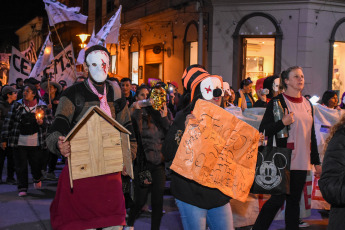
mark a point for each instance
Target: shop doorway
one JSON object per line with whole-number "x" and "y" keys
{"x": 258, "y": 58}
{"x": 154, "y": 59}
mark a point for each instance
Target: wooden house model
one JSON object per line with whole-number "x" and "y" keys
{"x": 99, "y": 145}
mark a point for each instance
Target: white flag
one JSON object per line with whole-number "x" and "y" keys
{"x": 58, "y": 12}
{"x": 44, "y": 58}
{"x": 108, "y": 34}
{"x": 30, "y": 53}
{"x": 19, "y": 66}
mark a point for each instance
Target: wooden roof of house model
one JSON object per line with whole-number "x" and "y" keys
{"x": 92, "y": 110}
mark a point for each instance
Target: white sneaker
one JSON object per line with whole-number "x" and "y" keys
{"x": 303, "y": 224}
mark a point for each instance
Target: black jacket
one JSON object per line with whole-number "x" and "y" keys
{"x": 272, "y": 128}
{"x": 151, "y": 128}
{"x": 332, "y": 181}
{"x": 182, "y": 188}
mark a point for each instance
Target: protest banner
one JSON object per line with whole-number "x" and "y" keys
{"x": 19, "y": 66}
{"x": 218, "y": 150}
{"x": 62, "y": 67}
{"x": 58, "y": 12}
{"x": 30, "y": 53}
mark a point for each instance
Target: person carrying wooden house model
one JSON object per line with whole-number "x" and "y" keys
{"x": 95, "y": 202}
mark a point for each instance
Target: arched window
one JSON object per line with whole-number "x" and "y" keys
{"x": 190, "y": 41}
{"x": 336, "y": 66}
{"x": 257, "y": 47}
{"x": 134, "y": 48}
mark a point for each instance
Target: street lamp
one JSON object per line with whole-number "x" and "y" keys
{"x": 83, "y": 38}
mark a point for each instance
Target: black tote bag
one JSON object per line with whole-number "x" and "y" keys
{"x": 272, "y": 174}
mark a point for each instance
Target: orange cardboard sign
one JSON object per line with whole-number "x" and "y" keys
{"x": 218, "y": 150}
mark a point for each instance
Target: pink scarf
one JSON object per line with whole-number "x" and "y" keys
{"x": 102, "y": 98}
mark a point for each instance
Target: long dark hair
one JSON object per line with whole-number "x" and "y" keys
{"x": 327, "y": 96}
{"x": 246, "y": 82}
{"x": 139, "y": 89}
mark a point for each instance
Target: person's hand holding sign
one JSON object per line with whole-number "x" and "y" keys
{"x": 189, "y": 117}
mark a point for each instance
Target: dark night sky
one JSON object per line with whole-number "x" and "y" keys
{"x": 13, "y": 15}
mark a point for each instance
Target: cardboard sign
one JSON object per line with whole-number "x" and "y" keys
{"x": 218, "y": 150}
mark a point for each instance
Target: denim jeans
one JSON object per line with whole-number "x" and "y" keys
{"x": 194, "y": 218}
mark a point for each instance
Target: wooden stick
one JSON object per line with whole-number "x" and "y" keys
{"x": 50, "y": 101}
{"x": 70, "y": 171}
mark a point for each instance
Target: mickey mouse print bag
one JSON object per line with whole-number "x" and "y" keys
{"x": 272, "y": 174}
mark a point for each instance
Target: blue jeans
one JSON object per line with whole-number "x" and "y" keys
{"x": 194, "y": 218}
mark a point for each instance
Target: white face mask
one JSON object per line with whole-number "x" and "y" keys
{"x": 208, "y": 85}
{"x": 98, "y": 64}
{"x": 275, "y": 85}
{"x": 226, "y": 88}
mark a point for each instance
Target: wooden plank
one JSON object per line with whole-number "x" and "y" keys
{"x": 126, "y": 151}
{"x": 95, "y": 145}
{"x": 81, "y": 169}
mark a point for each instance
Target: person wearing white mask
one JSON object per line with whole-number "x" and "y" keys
{"x": 272, "y": 84}
{"x": 96, "y": 202}
{"x": 227, "y": 95}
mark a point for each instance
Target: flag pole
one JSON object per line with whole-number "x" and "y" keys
{"x": 75, "y": 75}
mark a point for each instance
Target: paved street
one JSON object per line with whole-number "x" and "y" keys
{"x": 32, "y": 212}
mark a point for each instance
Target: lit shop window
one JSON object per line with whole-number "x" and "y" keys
{"x": 258, "y": 58}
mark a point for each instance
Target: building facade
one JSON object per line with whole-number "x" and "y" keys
{"x": 259, "y": 38}
{"x": 233, "y": 38}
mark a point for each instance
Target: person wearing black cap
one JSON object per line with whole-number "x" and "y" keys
{"x": 9, "y": 95}
{"x": 96, "y": 202}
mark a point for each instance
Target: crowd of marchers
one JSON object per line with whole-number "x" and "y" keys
{"x": 36, "y": 115}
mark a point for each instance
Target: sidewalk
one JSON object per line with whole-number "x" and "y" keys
{"x": 32, "y": 212}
